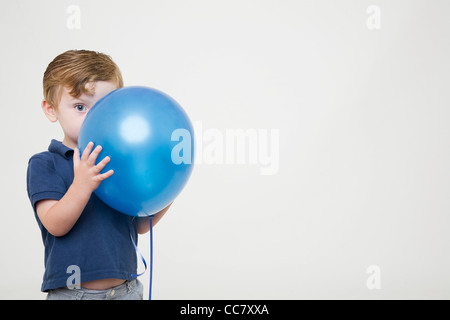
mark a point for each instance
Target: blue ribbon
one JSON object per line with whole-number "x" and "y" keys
{"x": 151, "y": 260}
{"x": 143, "y": 260}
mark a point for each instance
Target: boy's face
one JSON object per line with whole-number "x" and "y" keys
{"x": 72, "y": 111}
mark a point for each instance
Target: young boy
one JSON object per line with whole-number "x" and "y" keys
{"x": 84, "y": 239}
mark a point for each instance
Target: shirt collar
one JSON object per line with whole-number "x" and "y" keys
{"x": 59, "y": 148}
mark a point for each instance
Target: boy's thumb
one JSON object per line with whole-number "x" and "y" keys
{"x": 76, "y": 156}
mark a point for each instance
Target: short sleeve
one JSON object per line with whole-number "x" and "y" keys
{"x": 43, "y": 182}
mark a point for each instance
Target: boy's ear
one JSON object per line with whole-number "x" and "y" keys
{"x": 49, "y": 111}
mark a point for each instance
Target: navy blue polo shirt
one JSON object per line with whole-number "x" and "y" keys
{"x": 99, "y": 243}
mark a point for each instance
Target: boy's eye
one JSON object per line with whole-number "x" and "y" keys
{"x": 80, "y": 107}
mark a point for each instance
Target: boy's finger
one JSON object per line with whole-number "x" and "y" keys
{"x": 99, "y": 167}
{"x": 87, "y": 151}
{"x": 105, "y": 175}
{"x": 93, "y": 156}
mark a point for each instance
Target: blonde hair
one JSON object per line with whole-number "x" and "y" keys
{"x": 75, "y": 69}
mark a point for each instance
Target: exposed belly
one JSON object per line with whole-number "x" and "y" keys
{"x": 102, "y": 284}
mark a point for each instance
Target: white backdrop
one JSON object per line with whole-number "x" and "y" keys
{"x": 344, "y": 103}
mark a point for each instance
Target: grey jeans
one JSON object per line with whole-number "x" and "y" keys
{"x": 129, "y": 290}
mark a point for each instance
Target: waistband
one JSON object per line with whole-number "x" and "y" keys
{"x": 83, "y": 293}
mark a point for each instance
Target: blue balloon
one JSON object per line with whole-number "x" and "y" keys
{"x": 150, "y": 141}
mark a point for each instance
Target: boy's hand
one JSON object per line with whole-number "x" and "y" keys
{"x": 87, "y": 176}
{"x": 58, "y": 217}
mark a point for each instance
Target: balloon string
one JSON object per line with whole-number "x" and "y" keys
{"x": 140, "y": 256}
{"x": 151, "y": 259}
{"x": 143, "y": 260}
